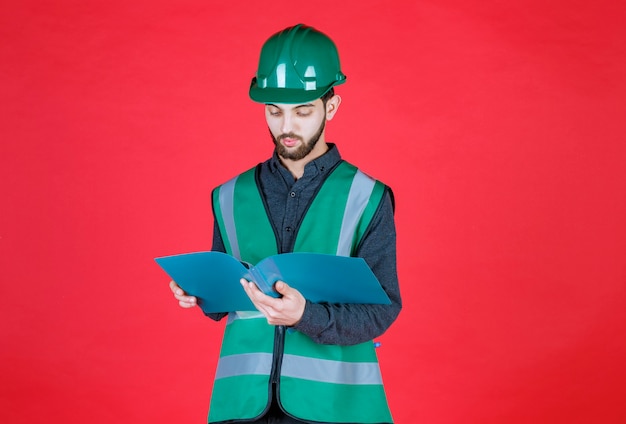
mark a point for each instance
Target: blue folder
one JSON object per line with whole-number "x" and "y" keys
{"x": 213, "y": 277}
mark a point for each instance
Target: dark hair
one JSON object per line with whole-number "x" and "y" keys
{"x": 328, "y": 95}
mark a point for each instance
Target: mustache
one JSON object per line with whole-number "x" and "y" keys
{"x": 289, "y": 135}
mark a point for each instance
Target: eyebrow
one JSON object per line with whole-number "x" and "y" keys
{"x": 297, "y": 107}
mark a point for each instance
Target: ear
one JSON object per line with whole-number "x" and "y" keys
{"x": 331, "y": 106}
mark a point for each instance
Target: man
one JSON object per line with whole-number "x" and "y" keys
{"x": 293, "y": 361}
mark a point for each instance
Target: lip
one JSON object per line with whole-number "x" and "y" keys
{"x": 289, "y": 142}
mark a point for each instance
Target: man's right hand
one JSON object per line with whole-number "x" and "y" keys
{"x": 183, "y": 300}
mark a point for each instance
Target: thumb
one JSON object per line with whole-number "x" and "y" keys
{"x": 281, "y": 287}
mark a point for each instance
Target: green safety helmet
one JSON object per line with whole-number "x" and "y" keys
{"x": 297, "y": 65}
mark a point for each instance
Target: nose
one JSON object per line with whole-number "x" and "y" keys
{"x": 286, "y": 125}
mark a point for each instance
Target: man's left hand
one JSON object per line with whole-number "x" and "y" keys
{"x": 286, "y": 310}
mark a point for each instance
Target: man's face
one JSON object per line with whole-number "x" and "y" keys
{"x": 296, "y": 129}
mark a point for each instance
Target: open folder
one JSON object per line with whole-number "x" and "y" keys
{"x": 213, "y": 277}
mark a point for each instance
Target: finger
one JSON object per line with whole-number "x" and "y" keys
{"x": 281, "y": 287}
{"x": 286, "y": 290}
{"x": 257, "y": 297}
{"x": 180, "y": 294}
{"x": 176, "y": 288}
{"x": 260, "y": 298}
{"x": 173, "y": 286}
{"x": 186, "y": 298}
{"x": 251, "y": 288}
{"x": 185, "y": 304}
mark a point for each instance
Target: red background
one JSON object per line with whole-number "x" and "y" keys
{"x": 500, "y": 127}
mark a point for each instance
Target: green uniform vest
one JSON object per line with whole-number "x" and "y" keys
{"x": 316, "y": 382}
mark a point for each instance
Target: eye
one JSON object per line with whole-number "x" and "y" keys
{"x": 304, "y": 112}
{"x": 275, "y": 112}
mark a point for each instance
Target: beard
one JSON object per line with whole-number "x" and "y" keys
{"x": 303, "y": 149}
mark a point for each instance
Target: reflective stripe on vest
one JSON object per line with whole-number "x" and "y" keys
{"x": 359, "y": 196}
{"x": 306, "y": 368}
{"x": 328, "y": 371}
{"x": 245, "y": 363}
{"x": 227, "y": 193}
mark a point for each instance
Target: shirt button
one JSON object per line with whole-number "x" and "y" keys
{"x": 292, "y": 194}
{"x": 288, "y": 229}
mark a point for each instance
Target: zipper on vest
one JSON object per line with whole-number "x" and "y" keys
{"x": 277, "y": 358}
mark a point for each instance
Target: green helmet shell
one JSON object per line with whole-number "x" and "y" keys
{"x": 297, "y": 65}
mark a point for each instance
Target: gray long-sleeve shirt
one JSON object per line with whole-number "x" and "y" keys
{"x": 288, "y": 200}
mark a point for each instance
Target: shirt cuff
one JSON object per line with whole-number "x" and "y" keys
{"x": 314, "y": 320}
